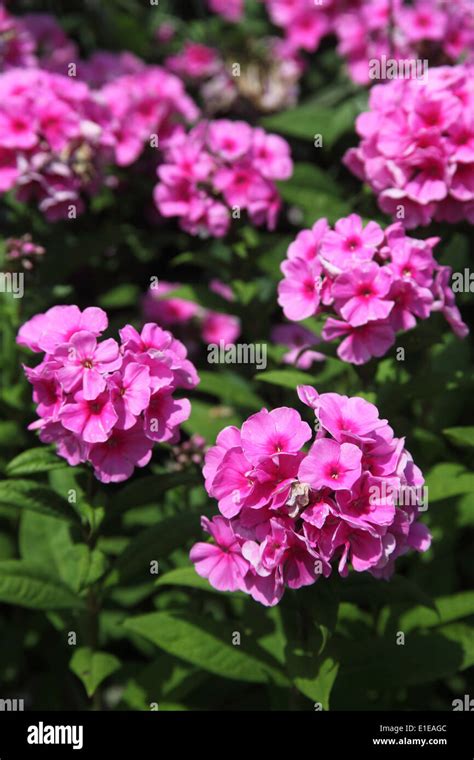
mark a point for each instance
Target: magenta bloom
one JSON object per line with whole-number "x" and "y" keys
{"x": 222, "y": 563}
{"x": 369, "y": 283}
{"x": 291, "y": 516}
{"x": 360, "y": 294}
{"x": 85, "y": 363}
{"x": 331, "y": 464}
{"x": 101, "y": 402}
{"x": 218, "y": 167}
{"x": 350, "y": 239}
{"x": 280, "y": 431}
{"x": 90, "y": 420}
{"x": 416, "y": 140}
{"x": 115, "y": 459}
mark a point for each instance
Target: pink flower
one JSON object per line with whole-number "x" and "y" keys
{"x": 100, "y": 402}
{"x": 299, "y": 292}
{"x": 220, "y": 328}
{"x": 84, "y": 362}
{"x": 267, "y": 434}
{"x": 360, "y": 294}
{"x": 271, "y": 155}
{"x": 416, "y": 140}
{"x": 331, "y": 464}
{"x": 289, "y": 518}
{"x": 377, "y": 282}
{"x": 346, "y": 418}
{"x": 229, "y": 139}
{"x": 350, "y": 239}
{"x": 115, "y": 460}
{"x": 195, "y": 61}
{"x": 222, "y": 563}
{"x": 91, "y": 420}
{"x": 130, "y": 393}
{"x": 46, "y": 332}
{"x": 217, "y": 168}
{"x": 360, "y": 343}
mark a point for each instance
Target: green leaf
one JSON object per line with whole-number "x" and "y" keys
{"x": 209, "y": 419}
{"x": 311, "y": 118}
{"x": 370, "y": 591}
{"x": 448, "y": 609}
{"x": 187, "y": 576}
{"x": 150, "y": 489}
{"x": 286, "y": 378}
{"x": 203, "y": 643}
{"x": 120, "y": 297}
{"x": 93, "y": 667}
{"x": 230, "y": 388}
{"x": 29, "y": 495}
{"x": 317, "y": 678}
{"x": 425, "y": 657}
{"x": 315, "y": 193}
{"x": 448, "y": 479}
{"x": 164, "y": 678}
{"x": 154, "y": 543}
{"x": 461, "y": 436}
{"x": 81, "y": 567}
{"x": 29, "y": 585}
{"x": 33, "y": 461}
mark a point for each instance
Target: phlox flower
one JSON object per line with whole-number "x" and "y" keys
{"x": 416, "y": 144}
{"x": 100, "y": 401}
{"x": 295, "y": 506}
{"x": 218, "y": 166}
{"x": 368, "y": 282}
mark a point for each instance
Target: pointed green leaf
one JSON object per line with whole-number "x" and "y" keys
{"x": 93, "y": 667}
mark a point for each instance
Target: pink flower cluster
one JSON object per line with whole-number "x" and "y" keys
{"x": 100, "y": 401}
{"x": 218, "y": 169}
{"x": 436, "y": 30}
{"x": 142, "y": 105}
{"x": 374, "y": 282}
{"x": 417, "y": 147}
{"x": 288, "y": 515}
{"x": 214, "y": 327}
{"x": 54, "y": 140}
{"x": 370, "y": 30}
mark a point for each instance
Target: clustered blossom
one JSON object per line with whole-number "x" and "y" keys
{"x": 57, "y": 135}
{"x": 55, "y": 139}
{"x": 417, "y": 147}
{"x": 104, "y": 402}
{"x": 367, "y": 30}
{"x": 290, "y": 515}
{"x": 372, "y": 283}
{"x": 143, "y": 104}
{"x": 218, "y": 169}
{"x": 213, "y": 327}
